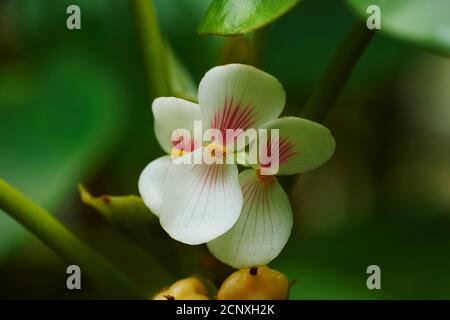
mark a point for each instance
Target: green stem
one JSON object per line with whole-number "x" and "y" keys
{"x": 100, "y": 273}
{"x": 341, "y": 66}
{"x": 336, "y": 75}
{"x": 152, "y": 45}
{"x": 259, "y": 41}
{"x": 235, "y": 49}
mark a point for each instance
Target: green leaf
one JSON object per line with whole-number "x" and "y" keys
{"x": 233, "y": 17}
{"x": 129, "y": 216}
{"x": 423, "y": 23}
{"x": 57, "y": 124}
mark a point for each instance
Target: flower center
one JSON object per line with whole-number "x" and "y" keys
{"x": 265, "y": 179}
{"x": 181, "y": 145}
{"x": 178, "y": 152}
{"x": 216, "y": 149}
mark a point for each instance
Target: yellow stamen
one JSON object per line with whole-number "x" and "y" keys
{"x": 176, "y": 153}
{"x": 215, "y": 149}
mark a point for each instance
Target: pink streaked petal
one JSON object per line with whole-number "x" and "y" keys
{"x": 303, "y": 145}
{"x": 263, "y": 227}
{"x": 184, "y": 143}
{"x": 285, "y": 149}
{"x": 237, "y": 96}
{"x": 172, "y": 115}
{"x": 200, "y": 201}
{"x": 233, "y": 117}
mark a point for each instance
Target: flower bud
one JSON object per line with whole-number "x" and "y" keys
{"x": 185, "y": 289}
{"x": 260, "y": 283}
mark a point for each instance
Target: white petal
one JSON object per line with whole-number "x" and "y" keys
{"x": 173, "y": 113}
{"x": 151, "y": 183}
{"x": 263, "y": 227}
{"x": 200, "y": 201}
{"x": 237, "y": 96}
{"x": 303, "y": 145}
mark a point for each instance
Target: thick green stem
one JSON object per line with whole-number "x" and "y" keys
{"x": 107, "y": 280}
{"x": 152, "y": 45}
{"x": 338, "y": 71}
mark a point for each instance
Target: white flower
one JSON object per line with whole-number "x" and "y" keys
{"x": 197, "y": 203}
{"x": 245, "y": 218}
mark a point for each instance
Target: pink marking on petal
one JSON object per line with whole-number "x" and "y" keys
{"x": 226, "y": 113}
{"x": 245, "y": 119}
{"x": 182, "y": 143}
{"x": 285, "y": 151}
{"x": 233, "y": 116}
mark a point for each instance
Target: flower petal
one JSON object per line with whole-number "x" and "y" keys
{"x": 263, "y": 228}
{"x": 173, "y": 113}
{"x": 237, "y": 96}
{"x": 151, "y": 182}
{"x": 200, "y": 201}
{"x": 303, "y": 145}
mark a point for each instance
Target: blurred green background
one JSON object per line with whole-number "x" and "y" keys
{"x": 75, "y": 107}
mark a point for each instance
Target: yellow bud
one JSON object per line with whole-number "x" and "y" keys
{"x": 195, "y": 296}
{"x": 260, "y": 283}
{"x": 164, "y": 295}
{"x": 185, "y": 289}
{"x": 187, "y": 286}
